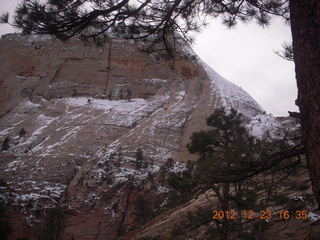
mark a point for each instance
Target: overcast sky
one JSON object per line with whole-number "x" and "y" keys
{"x": 244, "y": 56}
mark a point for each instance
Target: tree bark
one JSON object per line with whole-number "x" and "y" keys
{"x": 305, "y": 27}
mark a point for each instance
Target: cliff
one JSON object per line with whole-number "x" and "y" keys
{"x": 76, "y": 117}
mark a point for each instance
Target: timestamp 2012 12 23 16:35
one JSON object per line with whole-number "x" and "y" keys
{"x": 262, "y": 214}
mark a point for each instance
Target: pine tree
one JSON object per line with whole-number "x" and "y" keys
{"x": 227, "y": 152}
{"x": 22, "y": 133}
{"x": 5, "y": 144}
{"x": 153, "y": 20}
{"x": 140, "y": 161}
{"x": 142, "y": 209}
{"x": 229, "y": 159}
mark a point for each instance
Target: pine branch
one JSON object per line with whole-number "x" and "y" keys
{"x": 4, "y": 17}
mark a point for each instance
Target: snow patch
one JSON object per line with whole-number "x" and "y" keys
{"x": 162, "y": 189}
{"x": 5, "y": 131}
{"x": 314, "y": 217}
{"x": 28, "y": 104}
{"x": 178, "y": 167}
{"x": 269, "y": 127}
{"x": 44, "y": 121}
{"x": 262, "y": 124}
{"x": 104, "y": 104}
{"x": 156, "y": 81}
{"x": 230, "y": 95}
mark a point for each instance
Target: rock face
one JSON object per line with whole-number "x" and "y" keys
{"x": 84, "y": 127}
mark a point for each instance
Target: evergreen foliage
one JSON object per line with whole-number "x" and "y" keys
{"x": 140, "y": 161}
{"x": 155, "y": 20}
{"x": 22, "y": 132}
{"x": 5, "y": 144}
{"x": 227, "y": 152}
{"x": 4, "y": 17}
{"x": 181, "y": 183}
{"x": 236, "y": 166}
{"x": 286, "y": 52}
{"x": 142, "y": 209}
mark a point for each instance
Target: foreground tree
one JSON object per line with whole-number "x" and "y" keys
{"x": 305, "y": 27}
{"x": 226, "y": 154}
{"x": 244, "y": 172}
{"x": 159, "y": 20}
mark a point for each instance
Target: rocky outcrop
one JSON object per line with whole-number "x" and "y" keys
{"x": 74, "y": 115}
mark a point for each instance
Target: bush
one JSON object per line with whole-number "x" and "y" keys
{"x": 142, "y": 209}
{"x": 108, "y": 179}
{"x": 6, "y": 144}
{"x": 22, "y": 133}
{"x": 173, "y": 199}
{"x": 169, "y": 163}
{"x": 181, "y": 183}
{"x": 140, "y": 161}
{"x": 3, "y": 183}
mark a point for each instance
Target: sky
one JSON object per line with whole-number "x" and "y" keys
{"x": 243, "y": 55}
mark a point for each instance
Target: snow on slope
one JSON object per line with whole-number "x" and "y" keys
{"x": 264, "y": 124}
{"x": 104, "y": 104}
{"x": 231, "y": 96}
{"x": 120, "y": 112}
{"x": 228, "y": 94}
{"x": 63, "y": 134}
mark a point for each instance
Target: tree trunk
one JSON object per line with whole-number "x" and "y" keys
{"x": 305, "y": 27}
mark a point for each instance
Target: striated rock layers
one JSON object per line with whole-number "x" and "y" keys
{"x": 77, "y": 119}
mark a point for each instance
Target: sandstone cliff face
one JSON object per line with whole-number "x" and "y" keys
{"x": 85, "y": 111}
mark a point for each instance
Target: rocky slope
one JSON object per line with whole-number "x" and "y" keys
{"x": 74, "y": 117}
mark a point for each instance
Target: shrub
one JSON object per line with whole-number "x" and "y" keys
{"x": 142, "y": 209}
{"x": 173, "y": 199}
{"x": 140, "y": 161}
{"x": 22, "y": 133}
{"x": 179, "y": 183}
{"x": 6, "y": 144}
